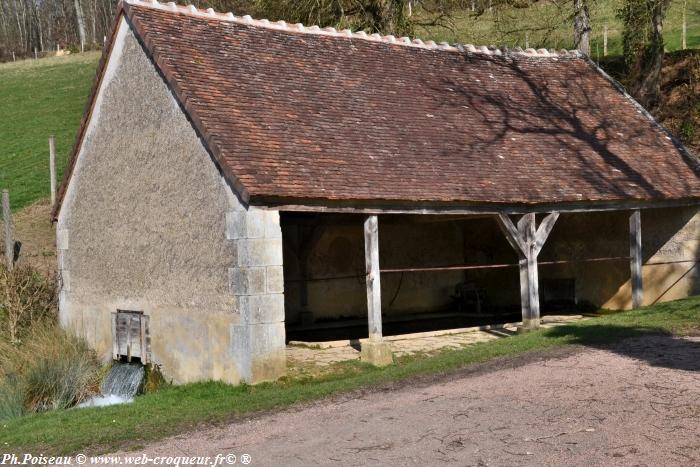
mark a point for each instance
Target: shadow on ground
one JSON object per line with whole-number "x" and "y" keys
{"x": 657, "y": 347}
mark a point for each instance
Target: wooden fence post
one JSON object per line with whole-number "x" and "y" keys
{"x": 605, "y": 40}
{"x": 52, "y": 168}
{"x": 7, "y": 218}
{"x": 684, "y": 29}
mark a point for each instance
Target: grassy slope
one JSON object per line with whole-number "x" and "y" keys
{"x": 176, "y": 409}
{"x": 39, "y": 98}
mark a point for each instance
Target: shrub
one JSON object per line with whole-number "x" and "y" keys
{"x": 26, "y": 297}
{"x": 50, "y": 369}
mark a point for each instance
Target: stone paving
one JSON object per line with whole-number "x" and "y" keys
{"x": 306, "y": 355}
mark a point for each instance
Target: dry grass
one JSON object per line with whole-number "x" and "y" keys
{"x": 48, "y": 370}
{"x": 26, "y": 297}
{"x": 41, "y": 366}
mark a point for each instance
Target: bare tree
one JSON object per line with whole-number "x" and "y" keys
{"x": 643, "y": 43}
{"x": 81, "y": 22}
{"x": 582, "y": 27}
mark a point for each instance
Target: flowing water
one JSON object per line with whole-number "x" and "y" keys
{"x": 124, "y": 379}
{"x": 123, "y": 382}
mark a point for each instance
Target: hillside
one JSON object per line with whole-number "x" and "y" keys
{"x": 680, "y": 109}
{"x": 551, "y": 27}
{"x": 39, "y": 98}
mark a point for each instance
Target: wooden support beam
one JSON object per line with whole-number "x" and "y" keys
{"x": 636, "y": 258}
{"x": 527, "y": 240}
{"x": 374, "y": 298}
{"x": 529, "y": 277}
{"x": 544, "y": 230}
{"x": 511, "y": 233}
{"x": 375, "y": 350}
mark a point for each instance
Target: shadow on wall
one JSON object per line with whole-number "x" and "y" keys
{"x": 670, "y": 248}
{"x": 656, "y": 347}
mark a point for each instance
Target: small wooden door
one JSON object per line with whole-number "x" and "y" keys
{"x": 130, "y": 337}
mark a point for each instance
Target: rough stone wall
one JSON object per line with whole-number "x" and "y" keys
{"x": 670, "y": 241}
{"x": 671, "y": 250}
{"x": 149, "y": 224}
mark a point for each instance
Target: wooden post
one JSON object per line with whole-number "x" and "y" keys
{"x": 35, "y": 54}
{"x": 115, "y": 338}
{"x": 374, "y": 297}
{"x": 527, "y": 240}
{"x": 605, "y": 40}
{"x": 375, "y": 350}
{"x": 14, "y": 59}
{"x": 7, "y": 218}
{"x": 52, "y": 168}
{"x": 528, "y": 269}
{"x": 636, "y": 258}
{"x": 684, "y": 27}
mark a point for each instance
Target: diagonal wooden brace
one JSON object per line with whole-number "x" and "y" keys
{"x": 527, "y": 239}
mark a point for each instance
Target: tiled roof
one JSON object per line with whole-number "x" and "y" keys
{"x": 296, "y": 114}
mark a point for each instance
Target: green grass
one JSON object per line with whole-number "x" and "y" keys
{"x": 39, "y": 98}
{"x": 176, "y": 409}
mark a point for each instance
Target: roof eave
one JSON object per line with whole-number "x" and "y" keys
{"x": 463, "y": 208}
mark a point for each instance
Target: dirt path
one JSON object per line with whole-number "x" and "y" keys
{"x": 637, "y": 403}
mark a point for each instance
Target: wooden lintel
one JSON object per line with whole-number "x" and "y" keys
{"x": 367, "y": 208}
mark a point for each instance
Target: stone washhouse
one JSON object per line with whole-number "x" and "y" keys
{"x": 236, "y": 182}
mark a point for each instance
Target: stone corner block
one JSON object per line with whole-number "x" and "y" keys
{"x": 261, "y": 309}
{"x": 245, "y": 224}
{"x": 247, "y": 280}
{"x": 274, "y": 279}
{"x": 260, "y": 252}
{"x": 62, "y": 239}
{"x": 64, "y": 280}
{"x": 376, "y": 353}
{"x": 273, "y": 229}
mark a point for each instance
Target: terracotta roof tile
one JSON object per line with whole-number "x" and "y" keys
{"x": 295, "y": 113}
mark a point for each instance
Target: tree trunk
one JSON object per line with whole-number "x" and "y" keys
{"x": 582, "y": 27}
{"x": 81, "y": 22}
{"x": 646, "y": 88}
{"x": 94, "y": 22}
